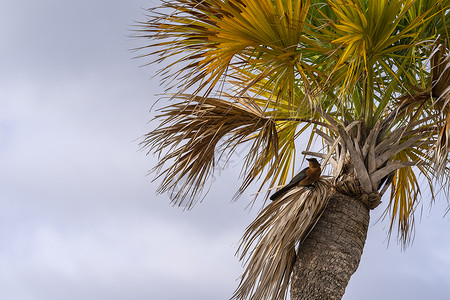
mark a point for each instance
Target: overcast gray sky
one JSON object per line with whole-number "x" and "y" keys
{"x": 78, "y": 217}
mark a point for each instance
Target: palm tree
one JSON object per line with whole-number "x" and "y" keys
{"x": 368, "y": 79}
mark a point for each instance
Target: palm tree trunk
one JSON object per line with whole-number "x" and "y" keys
{"x": 330, "y": 254}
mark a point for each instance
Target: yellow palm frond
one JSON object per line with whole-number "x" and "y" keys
{"x": 403, "y": 203}
{"x": 278, "y": 169}
{"x": 212, "y": 35}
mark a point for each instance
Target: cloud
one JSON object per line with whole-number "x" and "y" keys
{"x": 78, "y": 217}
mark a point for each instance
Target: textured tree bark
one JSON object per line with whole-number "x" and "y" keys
{"x": 330, "y": 254}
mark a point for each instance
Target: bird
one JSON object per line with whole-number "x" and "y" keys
{"x": 307, "y": 177}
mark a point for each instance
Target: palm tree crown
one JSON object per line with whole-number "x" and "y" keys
{"x": 370, "y": 79}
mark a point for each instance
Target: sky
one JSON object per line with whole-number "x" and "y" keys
{"x": 80, "y": 218}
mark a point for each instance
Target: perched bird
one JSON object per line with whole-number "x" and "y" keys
{"x": 305, "y": 178}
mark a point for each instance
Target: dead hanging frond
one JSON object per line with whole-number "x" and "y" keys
{"x": 436, "y": 95}
{"x": 197, "y": 131}
{"x": 443, "y": 145}
{"x": 276, "y": 231}
{"x": 440, "y": 73}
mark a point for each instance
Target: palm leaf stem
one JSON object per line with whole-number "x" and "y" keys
{"x": 312, "y": 121}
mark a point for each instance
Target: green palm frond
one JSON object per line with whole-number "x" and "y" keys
{"x": 374, "y": 48}
{"x": 268, "y": 246}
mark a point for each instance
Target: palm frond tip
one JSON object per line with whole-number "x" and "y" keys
{"x": 189, "y": 141}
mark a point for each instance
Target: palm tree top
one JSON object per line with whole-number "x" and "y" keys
{"x": 370, "y": 79}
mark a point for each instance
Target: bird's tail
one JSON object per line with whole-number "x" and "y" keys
{"x": 281, "y": 192}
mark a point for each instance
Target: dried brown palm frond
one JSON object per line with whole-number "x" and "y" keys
{"x": 274, "y": 234}
{"x": 441, "y": 90}
{"x": 437, "y": 93}
{"x": 198, "y": 130}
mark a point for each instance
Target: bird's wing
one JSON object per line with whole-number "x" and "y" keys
{"x": 299, "y": 177}
{"x": 294, "y": 181}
